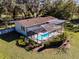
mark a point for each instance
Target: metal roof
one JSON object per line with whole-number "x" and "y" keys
{"x": 50, "y": 27}
{"x": 56, "y": 21}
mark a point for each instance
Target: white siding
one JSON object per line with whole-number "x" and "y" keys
{"x": 18, "y": 29}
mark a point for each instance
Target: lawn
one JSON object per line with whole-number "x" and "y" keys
{"x": 9, "y": 26}
{"x": 8, "y": 50}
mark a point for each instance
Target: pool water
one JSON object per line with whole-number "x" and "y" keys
{"x": 43, "y": 36}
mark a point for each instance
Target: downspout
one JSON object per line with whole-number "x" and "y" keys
{"x": 37, "y": 37}
{"x": 26, "y": 32}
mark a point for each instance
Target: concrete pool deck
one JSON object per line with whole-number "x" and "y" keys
{"x": 34, "y": 38}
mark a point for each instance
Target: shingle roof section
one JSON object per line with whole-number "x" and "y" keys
{"x": 35, "y": 21}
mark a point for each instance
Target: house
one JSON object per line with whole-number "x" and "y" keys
{"x": 40, "y": 28}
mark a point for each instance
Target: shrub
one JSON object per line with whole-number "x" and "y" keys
{"x": 72, "y": 27}
{"x": 76, "y": 28}
{"x": 68, "y": 26}
{"x": 21, "y": 42}
{"x": 29, "y": 47}
{"x": 21, "y": 37}
{"x": 56, "y": 42}
{"x": 33, "y": 42}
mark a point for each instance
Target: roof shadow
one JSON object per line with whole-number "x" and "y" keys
{"x": 75, "y": 21}
{"x": 10, "y": 36}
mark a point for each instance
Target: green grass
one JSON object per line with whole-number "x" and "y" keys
{"x": 9, "y": 26}
{"x": 8, "y": 50}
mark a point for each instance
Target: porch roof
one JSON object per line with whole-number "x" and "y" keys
{"x": 47, "y": 28}
{"x": 50, "y": 27}
{"x": 56, "y": 21}
{"x": 40, "y": 30}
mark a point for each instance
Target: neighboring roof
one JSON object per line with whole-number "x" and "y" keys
{"x": 35, "y": 21}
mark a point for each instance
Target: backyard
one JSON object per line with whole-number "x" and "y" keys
{"x": 9, "y": 50}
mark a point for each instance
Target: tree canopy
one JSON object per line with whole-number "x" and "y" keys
{"x": 57, "y": 8}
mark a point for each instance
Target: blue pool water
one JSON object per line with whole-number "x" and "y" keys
{"x": 43, "y": 36}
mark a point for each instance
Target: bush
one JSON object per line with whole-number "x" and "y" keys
{"x": 29, "y": 47}
{"x": 21, "y": 37}
{"x": 21, "y": 42}
{"x": 72, "y": 27}
{"x": 76, "y": 28}
{"x": 33, "y": 42}
{"x": 68, "y": 26}
{"x": 56, "y": 42}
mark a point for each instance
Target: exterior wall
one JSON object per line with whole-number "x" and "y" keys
{"x": 18, "y": 29}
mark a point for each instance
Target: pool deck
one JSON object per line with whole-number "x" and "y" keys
{"x": 44, "y": 40}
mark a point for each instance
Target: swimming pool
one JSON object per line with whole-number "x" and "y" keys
{"x": 43, "y": 36}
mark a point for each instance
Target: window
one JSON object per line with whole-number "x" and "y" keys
{"x": 22, "y": 28}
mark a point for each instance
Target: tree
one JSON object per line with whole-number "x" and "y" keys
{"x": 62, "y": 9}
{"x": 17, "y": 11}
{"x": 57, "y": 8}
{"x": 13, "y": 9}
{"x": 1, "y": 9}
{"x": 33, "y": 9}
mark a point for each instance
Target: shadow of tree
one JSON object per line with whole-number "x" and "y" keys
{"x": 75, "y": 21}
{"x": 10, "y": 36}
